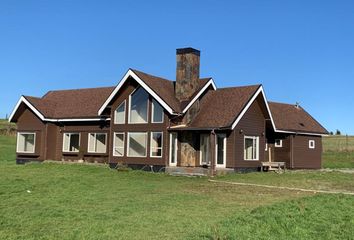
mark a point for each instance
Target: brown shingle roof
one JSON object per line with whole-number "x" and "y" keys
{"x": 221, "y": 107}
{"x": 166, "y": 89}
{"x": 162, "y": 87}
{"x": 75, "y": 103}
{"x": 85, "y": 103}
{"x": 288, "y": 117}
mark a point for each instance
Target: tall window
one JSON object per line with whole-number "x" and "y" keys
{"x": 204, "y": 149}
{"x": 119, "y": 114}
{"x": 118, "y": 144}
{"x": 97, "y": 142}
{"x": 156, "y": 144}
{"x": 157, "y": 112}
{"x": 138, "y": 106}
{"x": 26, "y": 142}
{"x": 251, "y": 148}
{"x": 71, "y": 142}
{"x": 137, "y": 142}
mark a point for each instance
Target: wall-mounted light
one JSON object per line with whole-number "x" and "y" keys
{"x": 241, "y": 131}
{"x": 262, "y": 134}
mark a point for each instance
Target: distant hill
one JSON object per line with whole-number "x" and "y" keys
{"x": 7, "y": 128}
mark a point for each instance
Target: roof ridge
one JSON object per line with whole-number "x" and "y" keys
{"x": 244, "y": 86}
{"x": 289, "y": 104}
{"x": 75, "y": 89}
{"x": 141, "y": 72}
{"x": 163, "y": 78}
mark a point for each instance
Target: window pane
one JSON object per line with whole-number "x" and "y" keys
{"x": 91, "y": 147}
{"x": 119, "y": 145}
{"x": 100, "y": 142}
{"x": 74, "y": 142}
{"x": 204, "y": 148}
{"x": 137, "y": 145}
{"x": 157, "y": 115}
{"x": 66, "y": 141}
{"x": 249, "y": 148}
{"x": 220, "y": 154}
{"x": 156, "y": 144}
{"x": 119, "y": 116}
{"x": 21, "y": 143}
{"x": 138, "y": 106}
{"x": 29, "y": 142}
{"x": 173, "y": 148}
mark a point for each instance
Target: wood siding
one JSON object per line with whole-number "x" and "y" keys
{"x": 305, "y": 157}
{"x": 251, "y": 124}
{"x": 84, "y": 128}
{"x": 279, "y": 154}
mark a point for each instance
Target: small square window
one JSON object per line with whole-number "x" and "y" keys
{"x": 278, "y": 143}
{"x": 312, "y": 144}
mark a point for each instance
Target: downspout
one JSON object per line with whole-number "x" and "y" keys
{"x": 45, "y": 142}
{"x": 292, "y": 150}
{"x": 213, "y": 152}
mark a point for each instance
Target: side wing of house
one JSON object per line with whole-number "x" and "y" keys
{"x": 297, "y": 139}
{"x": 46, "y": 133}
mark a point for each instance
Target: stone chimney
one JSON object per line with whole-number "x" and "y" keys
{"x": 187, "y": 73}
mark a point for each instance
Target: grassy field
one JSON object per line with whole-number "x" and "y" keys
{"x": 338, "y": 152}
{"x": 62, "y": 201}
{"x": 6, "y": 127}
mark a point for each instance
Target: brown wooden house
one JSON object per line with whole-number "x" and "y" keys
{"x": 150, "y": 122}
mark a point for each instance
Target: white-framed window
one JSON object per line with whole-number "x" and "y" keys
{"x": 251, "y": 148}
{"x": 157, "y": 112}
{"x": 173, "y": 148}
{"x": 137, "y": 142}
{"x": 278, "y": 143}
{"x": 220, "y": 150}
{"x": 204, "y": 154}
{"x": 97, "y": 143}
{"x": 312, "y": 144}
{"x": 119, "y": 114}
{"x": 138, "y": 106}
{"x": 26, "y": 142}
{"x": 118, "y": 144}
{"x": 156, "y": 144}
{"x": 71, "y": 142}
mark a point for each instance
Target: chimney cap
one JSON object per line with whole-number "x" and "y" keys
{"x": 188, "y": 50}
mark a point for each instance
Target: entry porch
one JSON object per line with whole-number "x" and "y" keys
{"x": 199, "y": 152}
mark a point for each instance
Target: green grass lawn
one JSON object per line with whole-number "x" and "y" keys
{"x": 71, "y": 201}
{"x": 338, "y": 152}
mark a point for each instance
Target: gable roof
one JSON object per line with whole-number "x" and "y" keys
{"x": 289, "y": 118}
{"x": 159, "y": 88}
{"x": 220, "y": 108}
{"x": 65, "y": 105}
{"x": 162, "y": 87}
{"x": 224, "y": 108}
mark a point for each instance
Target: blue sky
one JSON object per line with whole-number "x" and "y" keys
{"x": 299, "y": 50}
